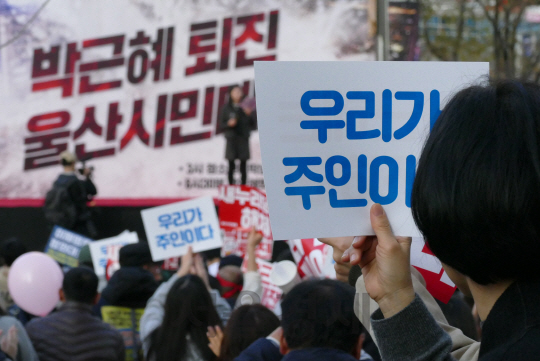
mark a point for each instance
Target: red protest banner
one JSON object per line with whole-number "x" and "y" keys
{"x": 314, "y": 258}
{"x": 240, "y": 208}
{"x": 271, "y": 294}
{"x": 171, "y": 264}
{"x": 437, "y": 281}
{"x": 113, "y": 260}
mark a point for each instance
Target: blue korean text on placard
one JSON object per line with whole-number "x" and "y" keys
{"x": 183, "y": 228}
{"x": 305, "y": 166}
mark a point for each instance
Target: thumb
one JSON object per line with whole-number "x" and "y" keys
{"x": 381, "y": 225}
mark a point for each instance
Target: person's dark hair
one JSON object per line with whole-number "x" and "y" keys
{"x": 278, "y": 248}
{"x": 11, "y": 249}
{"x": 135, "y": 255}
{"x": 229, "y": 91}
{"x": 319, "y": 313}
{"x": 286, "y": 255}
{"x": 212, "y": 253}
{"x": 189, "y": 310}
{"x": 232, "y": 260}
{"x": 214, "y": 283}
{"x": 65, "y": 163}
{"x": 475, "y": 198}
{"x": 247, "y": 324}
{"x": 80, "y": 284}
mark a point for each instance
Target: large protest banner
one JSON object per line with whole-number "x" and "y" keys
{"x": 137, "y": 86}
{"x": 342, "y": 136}
{"x": 240, "y": 208}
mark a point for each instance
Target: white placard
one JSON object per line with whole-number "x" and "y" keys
{"x": 337, "y": 137}
{"x": 101, "y": 250}
{"x": 170, "y": 229}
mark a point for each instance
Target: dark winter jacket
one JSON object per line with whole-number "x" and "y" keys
{"x": 265, "y": 350}
{"x": 244, "y": 123}
{"x": 80, "y": 191}
{"x": 129, "y": 287}
{"x": 74, "y": 334}
{"x": 260, "y": 350}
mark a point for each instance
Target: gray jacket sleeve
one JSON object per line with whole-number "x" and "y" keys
{"x": 26, "y": 350}
{"x": 412, "y": 334}
{"x": 463, "y": 348}
{"x": 154, "y": 312}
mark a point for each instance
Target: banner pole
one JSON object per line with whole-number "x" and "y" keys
{"x": 383, "y": 31}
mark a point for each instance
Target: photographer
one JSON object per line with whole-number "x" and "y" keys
{"x": 66, "y": 202}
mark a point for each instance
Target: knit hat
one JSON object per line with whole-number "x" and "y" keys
{"x": 135, "y": 255}
{"x": 85, "y": 258}
{"x": 68, "y": 157}
{"x": 232, "y": 260}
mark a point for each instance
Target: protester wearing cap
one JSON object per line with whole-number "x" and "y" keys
{"x": 73, "y": 333}
{"x": 131, "y": 287}
{"x": 133, "y": 284}
{"x": 80, "y": 191}
{"x": 231, "y": 279}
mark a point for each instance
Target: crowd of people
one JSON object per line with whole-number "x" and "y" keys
{"x": 474, "y": 199}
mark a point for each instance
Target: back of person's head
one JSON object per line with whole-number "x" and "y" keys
{"x": 231, "y": 280}
{"x": 475, "y": 197}
{"x": 229, "y": 92}
{"x": 80, "y": 285}
{"x": 85, "y": 257}
{"x": 246, "y": 325}
{"x": 67, "y": 158}
{"x": 212, "y": 254}
{"x": 135, "y": 255}
{"x": 286, "y": 255}
{"x": 232, "y": 260}
{"x": 11, "y": 249}
{"x": 319, "y": 313}
{"x": 189, "y": 310}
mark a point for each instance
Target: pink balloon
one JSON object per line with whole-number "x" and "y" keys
{"x": 34, "y": 281}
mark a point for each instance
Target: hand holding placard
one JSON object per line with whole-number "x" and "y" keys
{"x": 385, "y": 263}
{"x": 187, "y": 263}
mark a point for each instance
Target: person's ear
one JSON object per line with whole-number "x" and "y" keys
{"x": 96, "y": 299}
{"x": 283, "y": 347}
{"x": 62, "y": 295}
{"x": 357, "y": 349}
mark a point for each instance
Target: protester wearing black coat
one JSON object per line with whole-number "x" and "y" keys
{"x": 129, "y": 287}
{"x": 265, "y": 349}
{"x": 74, "y": 334}
{"x": 237, "y": 135}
